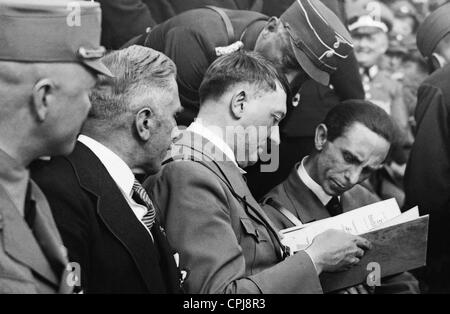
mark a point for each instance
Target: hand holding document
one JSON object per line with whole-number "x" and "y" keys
{"x": 399, "y": 240}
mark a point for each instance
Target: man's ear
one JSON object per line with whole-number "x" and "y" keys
{"x": 321, "y": 137}
{"x": 144, "y": 124}
{"x": 238, "y": 104}
{"x": 272, "y": 25}
{"x": 42, "y": 96}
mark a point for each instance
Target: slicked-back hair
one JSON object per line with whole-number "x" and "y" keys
{"x": 241, "y": 67}
{"x": 136, "y": 69}
{"x": 343, "y": 116}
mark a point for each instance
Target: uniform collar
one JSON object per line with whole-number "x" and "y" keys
{"x": 311, "y": 184}
{"x": 14, "y": 178}
{"x": 251, "y": 34}
{"x": 370, "y": 72}
{"x": 198, "y": 128}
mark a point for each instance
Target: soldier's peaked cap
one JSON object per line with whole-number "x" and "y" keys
{"x": 318, "y": 37}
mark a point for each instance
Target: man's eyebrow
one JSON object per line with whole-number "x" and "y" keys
{"x": 353, "y": 156}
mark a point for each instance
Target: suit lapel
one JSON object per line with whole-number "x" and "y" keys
{"x": 20, "y": 243}
{"x": 115, "y": 212}
{"x": 304, "y": 203}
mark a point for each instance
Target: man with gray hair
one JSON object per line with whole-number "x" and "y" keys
{"x": 106, "y": 219}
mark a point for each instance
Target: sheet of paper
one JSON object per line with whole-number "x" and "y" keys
{"x": 409, "y": 215}
{"x": 357, "y": 221}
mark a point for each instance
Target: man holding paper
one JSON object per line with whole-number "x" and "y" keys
{"x": 351, "y": 144}
{"x": 224, "y": 238}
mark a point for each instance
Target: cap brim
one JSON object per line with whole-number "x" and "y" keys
{"x": 316, "y": 74}
{"x": 98, "y": 67}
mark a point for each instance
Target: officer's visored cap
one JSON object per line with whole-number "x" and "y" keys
{"x": 52, "y": 31}
{"x": 433, "y": 29}
{"x": 372, "y": 17}
{"x": 318, "y": 37}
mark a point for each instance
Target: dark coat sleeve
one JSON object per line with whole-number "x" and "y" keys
{"x": 67, "y": 202}
{"x": 427, "y": 181}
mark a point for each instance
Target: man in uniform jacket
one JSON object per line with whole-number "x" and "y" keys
{"x": 125, "y": 19}
{"x": 352, "y": 142}
{"x": 106, "y": 219}
{"x": 194, "y": 39}
{"x": 45, "y": 79}
{"x": 225, "y": 240}
{"x": 427, "y": 178}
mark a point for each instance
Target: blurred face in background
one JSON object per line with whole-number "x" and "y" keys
{"x": 370, "y": 45}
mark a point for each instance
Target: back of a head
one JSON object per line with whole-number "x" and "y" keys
{"x": 137, "y": 70}
{"x": 343, "y": 116}
{"x": 433, "y": 29}
{"x": 241, "y": 67}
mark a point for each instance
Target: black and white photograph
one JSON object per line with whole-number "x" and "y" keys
{"x": 253, "y": 148}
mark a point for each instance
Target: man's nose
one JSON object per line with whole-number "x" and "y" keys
{"x": 275, "y": 135}
{"x": 352, "y": 175}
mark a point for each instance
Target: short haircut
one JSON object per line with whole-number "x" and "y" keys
{"x": 136, "y": 69}
{"x": 241, "y": 67}
{"x": 343, "y": 116}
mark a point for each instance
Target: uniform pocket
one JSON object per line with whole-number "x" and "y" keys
{"x": 249, "y": 228}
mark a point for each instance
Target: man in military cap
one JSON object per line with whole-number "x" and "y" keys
{"x": 47, "y": 67}
{"x": 406, "y": 19}
{"x": 308, "y": 40}
{"x": 427, "y": 178}
{"x": 369, "y": 28}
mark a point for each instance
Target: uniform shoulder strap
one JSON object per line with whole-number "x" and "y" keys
{"x": 285, "y": 212}
{"x": 226, "y": 20}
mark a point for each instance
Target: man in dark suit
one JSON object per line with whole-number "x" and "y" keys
{"x": 352, "y": 142}
{"x": 106, "y": 219}
{"x": 427, "y": 177}
{"x": 45, "y": 78}
{"x": 223, "y": 236}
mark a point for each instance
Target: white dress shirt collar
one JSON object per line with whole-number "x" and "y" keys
{"x": 116, "y": 167}
{"x": 311, "y": 184}
{"x": 198, "y": 128}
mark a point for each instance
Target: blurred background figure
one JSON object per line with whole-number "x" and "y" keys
{"x": 370, "y": 26}
{"x": 406, "y": 19}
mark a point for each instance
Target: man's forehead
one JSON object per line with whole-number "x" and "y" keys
{"x": 362, "y": 141}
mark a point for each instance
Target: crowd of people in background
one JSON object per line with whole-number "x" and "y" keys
{"x": 113, "y": 153}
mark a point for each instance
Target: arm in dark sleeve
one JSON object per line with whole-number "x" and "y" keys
{"x": 123, "y": 20}
{"x": 199, "y": 227}
{"x": 427, "y": 180}
{"x": 192, "y": 54}
{"x": 347, "y": 80}
{"x": 69, "y": 208}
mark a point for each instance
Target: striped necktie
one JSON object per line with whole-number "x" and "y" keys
{"x": 141, "y": 196}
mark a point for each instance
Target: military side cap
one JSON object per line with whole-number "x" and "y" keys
{"x": 373, "y": 16}
{"x": 318, "y": 37}
{"x": 433, "y": 29}
{"x": 52, "y": 31}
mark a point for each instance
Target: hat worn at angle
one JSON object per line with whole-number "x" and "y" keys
{"x": 318, "y": 38}
{"x": 433, "y": 29}
{"x": 52, "y": 31}
{"x": 372, "y": 17}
